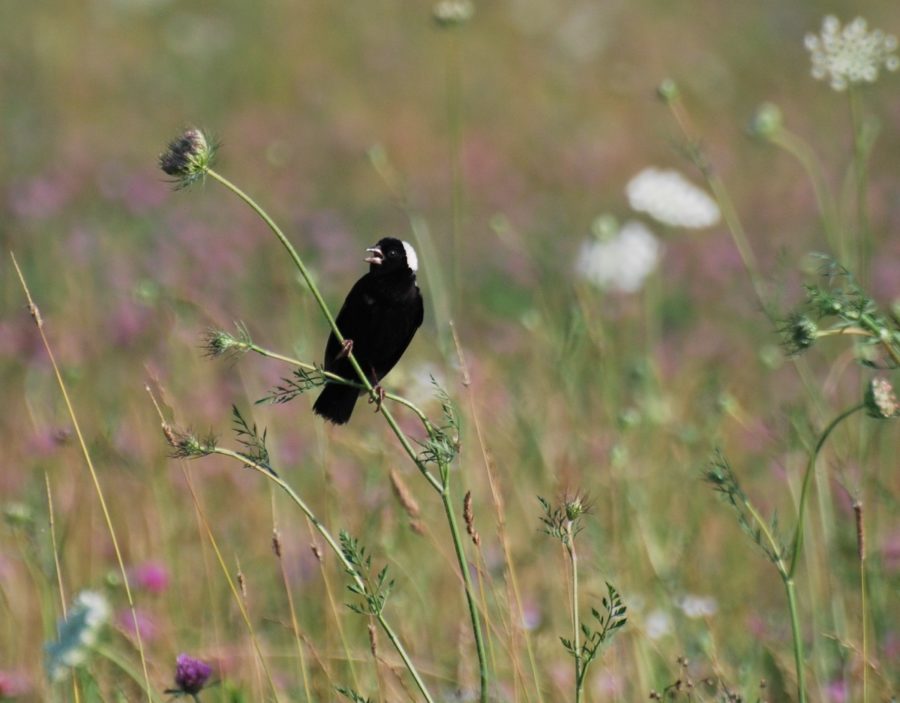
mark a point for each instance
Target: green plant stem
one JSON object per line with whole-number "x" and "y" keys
{"x": 720, "y": 193}
{"x": 335, "y": 547}
{"x": 446, "y": 499}
{"x": 400, "y": 400}
{"x": 864, "y": 615}
{"x": 576, "y": 626}
{"x": 455, "y": 124}
{"x": 791, "y": 593}
{"x": 797, "y": 636}
{"x": 800, "y": 150}
{"x": 442, "y": 487}
{"x": 797, "y": 542}
{"x": 39, "y": 323}
{"x": 860, "y": 157}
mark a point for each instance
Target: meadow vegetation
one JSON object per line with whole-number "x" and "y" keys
{"x": 643, "y": 448}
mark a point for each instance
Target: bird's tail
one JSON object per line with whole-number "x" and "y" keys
{"x": 335, "y": 403}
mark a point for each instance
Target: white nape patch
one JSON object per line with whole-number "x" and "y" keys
{"x": 411, "y": 259}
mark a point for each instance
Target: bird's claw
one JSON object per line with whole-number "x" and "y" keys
{"x": 379, "y": 397}
{"x": 346, "y": 349}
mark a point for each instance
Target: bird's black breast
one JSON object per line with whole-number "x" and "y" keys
{"x": 381, "y": 314}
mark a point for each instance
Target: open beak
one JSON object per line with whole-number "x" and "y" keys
{"x": 376, "y": 256}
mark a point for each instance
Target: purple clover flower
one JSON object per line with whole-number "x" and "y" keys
{"x": 191, "y": 675}
{"x": 151, "y": 576}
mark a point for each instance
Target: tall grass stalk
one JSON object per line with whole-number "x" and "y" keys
{"x": 51, "y": 516}
{"x": 862, "y": 148}
{"x": 235, "y": 592}
{"x": 863, "y": 598}
{"x": 295, "y": 626}
{"x": 273, "y": 476}
{"x": 672, "y": 99}
{"x": 39, "y": 323}
{"x": 516, "y": 610}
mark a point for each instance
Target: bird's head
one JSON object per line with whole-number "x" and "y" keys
{"x": 391, "y": 255}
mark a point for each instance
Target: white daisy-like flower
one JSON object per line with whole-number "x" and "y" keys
{"x": 621, "y": 262}
{"x": 671, "y": 199}
{"x": 658, "y": 624}
{"x": 77, "y": 634}
{"x": 698, "y": 606}
{"x": 851, "y": 54}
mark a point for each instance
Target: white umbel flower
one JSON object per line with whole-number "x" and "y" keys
{"x": 621, "y": 262}
{"x": 852, "y": 54}
{"x": 671, "y": 199}
{"x": 658, "y": 624}
{"x": 698, "y": 606}
{"x": 77, "y": 634}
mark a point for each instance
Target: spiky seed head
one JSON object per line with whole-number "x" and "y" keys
{"x": 800, "y": 334}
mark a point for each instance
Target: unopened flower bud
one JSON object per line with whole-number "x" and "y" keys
{"x": 767, "y": 121}
{"x": 188, "y": 157}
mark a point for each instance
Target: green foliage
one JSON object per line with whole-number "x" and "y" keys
{"x": 251, "y": 439}
{"x": 841, "y": 302}
{"x": 352, "y": 695}
{"x": 721, "y": 477}
{"x": 374, "y": 592}
{"x": 613, "y": 618}
{"x": 443, "y": 443}
{"x": 299, "y": 383}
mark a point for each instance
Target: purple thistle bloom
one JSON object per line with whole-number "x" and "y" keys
{"x": 191, "y": 674}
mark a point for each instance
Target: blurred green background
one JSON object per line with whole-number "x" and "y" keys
{"x": 621, "y": 396}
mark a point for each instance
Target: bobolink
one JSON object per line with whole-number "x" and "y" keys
{"x": 381, "y": 314}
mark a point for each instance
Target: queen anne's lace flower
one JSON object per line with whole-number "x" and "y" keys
{"x": 671, "y": 199}
{"x": 851, "y": 54}
{"x": 622, "y": 261}
{"x": 77, "y": 634}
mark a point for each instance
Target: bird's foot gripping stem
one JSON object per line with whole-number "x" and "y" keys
{"x": 346, "y": 349}
{"x": 379, "y": 397}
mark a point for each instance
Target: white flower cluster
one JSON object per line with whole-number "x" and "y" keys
{"x": 77, "y": 634}
{"x": 671, "y": 199}
{"x": 698, "y": 606}
{"x": 622, "y": 261}
{"x": 852, "y": 54}
{"x": 448, "y": 13}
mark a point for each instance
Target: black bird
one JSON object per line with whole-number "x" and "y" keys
{"x": 381, "y": 314}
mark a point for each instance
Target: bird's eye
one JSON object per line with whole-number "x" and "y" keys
{"x": 394, "y": 254}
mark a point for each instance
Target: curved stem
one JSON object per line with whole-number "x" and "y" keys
{"x": 800, "y": 150}
{"x": 323, "y": 306}
{"x": 797, "y": 542}
{"x": 720, "y": 193}
{"x": 335, "y": 547}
